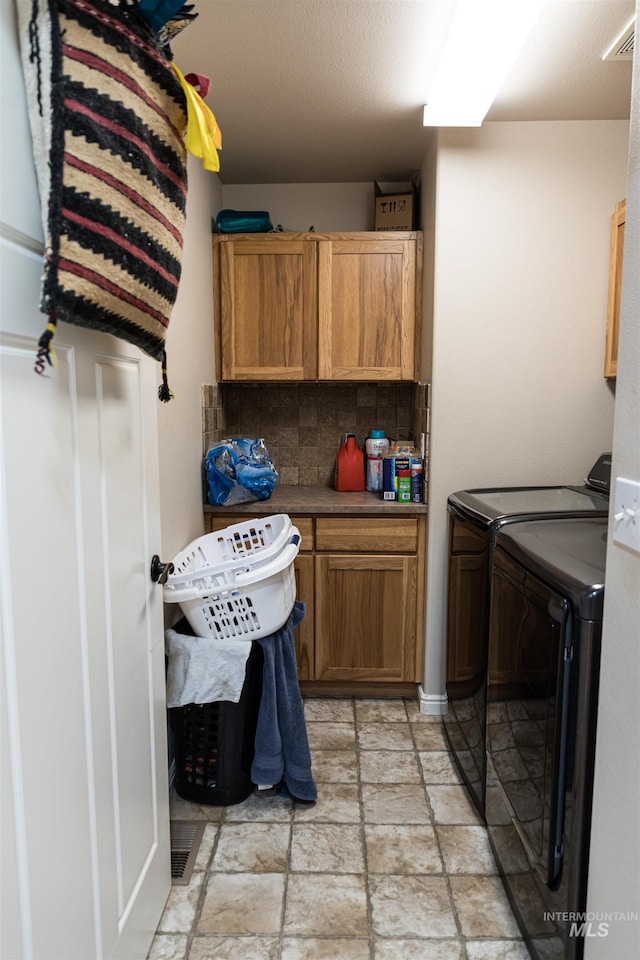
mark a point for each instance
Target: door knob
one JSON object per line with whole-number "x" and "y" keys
{"x": 159, "y": 570}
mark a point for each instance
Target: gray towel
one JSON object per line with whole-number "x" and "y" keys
{"x": 282, "y": 747}
{"x": 204, "y": 669}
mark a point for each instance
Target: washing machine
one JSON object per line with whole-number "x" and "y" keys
{"x": 545, "y": 629}
{"x": 476, "y": 516}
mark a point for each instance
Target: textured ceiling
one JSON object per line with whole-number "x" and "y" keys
{"x": 332, "y": 90}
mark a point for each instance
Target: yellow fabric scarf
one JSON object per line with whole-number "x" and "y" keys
{"x": 203, "y": 132}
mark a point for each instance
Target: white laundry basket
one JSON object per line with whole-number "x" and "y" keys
{"x": 218, "y": 558}
{"x": 253, "y": 604}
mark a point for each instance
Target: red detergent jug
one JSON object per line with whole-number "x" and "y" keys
{"x": 349, "y": 465}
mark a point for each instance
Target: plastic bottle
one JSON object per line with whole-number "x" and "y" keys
{"x": 349, "y": 473}
{"x": 417, "y": 479}
{"x": 376, "y": 448}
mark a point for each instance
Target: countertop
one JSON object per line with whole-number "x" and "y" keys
{"x": 320, "y": 500}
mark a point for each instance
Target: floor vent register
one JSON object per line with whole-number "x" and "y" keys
{"x": 185, "y": 843}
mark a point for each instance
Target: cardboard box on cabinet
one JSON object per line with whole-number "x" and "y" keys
{"x": 394, "y": 210}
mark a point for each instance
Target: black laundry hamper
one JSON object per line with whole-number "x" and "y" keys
{"x": 214, "y": 743}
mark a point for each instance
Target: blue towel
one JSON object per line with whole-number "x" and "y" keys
{"x": 281, "y": 747}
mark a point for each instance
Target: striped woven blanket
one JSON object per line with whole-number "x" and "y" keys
{"x": 108, "y": 119}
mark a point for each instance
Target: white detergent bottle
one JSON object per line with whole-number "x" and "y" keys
{"x": 376, "y": 448}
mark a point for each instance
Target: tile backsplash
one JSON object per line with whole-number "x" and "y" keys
{"x": 303, "y": 423}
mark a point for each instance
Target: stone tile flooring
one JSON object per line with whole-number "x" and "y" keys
{"x": 391, "y": 863}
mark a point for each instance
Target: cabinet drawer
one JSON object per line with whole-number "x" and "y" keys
{"x": 305, "y": 526}
{"x": 215, "y": 522}
{"x": 387, "y": 535}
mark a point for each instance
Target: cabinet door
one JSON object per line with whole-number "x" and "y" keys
{"x": 304, "y": 633}
{"x": 616, "y": 253}
{"x": 365, "y": 617}
{"x": 367, "y": 309}
{"x": 268, "y": 309}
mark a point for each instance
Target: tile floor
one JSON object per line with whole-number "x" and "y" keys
{"x": 391, "y": 863}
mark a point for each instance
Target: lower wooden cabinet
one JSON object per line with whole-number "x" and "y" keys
{"x": 362, "y": 582}
{"x": 366, "y": 617}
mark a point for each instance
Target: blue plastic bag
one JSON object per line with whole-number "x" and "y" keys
{"x": 239, "y": 470}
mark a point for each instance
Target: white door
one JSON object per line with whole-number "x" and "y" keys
{"x": 85, "y": 824}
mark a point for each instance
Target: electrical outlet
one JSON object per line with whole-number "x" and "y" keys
{"x": 626, "y": 513}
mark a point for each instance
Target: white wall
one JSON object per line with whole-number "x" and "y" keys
{"x": 299, "y": 206}
{"x": 520, "y": 277}
{"x": 190, "y": 362}
{"x": 614, "y": 873}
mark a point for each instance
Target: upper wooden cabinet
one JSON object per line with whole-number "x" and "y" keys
{"x": 367, "y": 308}
{"x": 616, "y": 252}
{"x": 335, "y": 306}
{"x": 267, "y": 310}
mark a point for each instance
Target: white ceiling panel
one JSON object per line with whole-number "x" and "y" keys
{"x": 332, "y": 90}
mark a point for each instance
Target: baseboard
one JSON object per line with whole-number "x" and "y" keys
{"x": 360, "y": 688}
{"x": 433, "y": 705}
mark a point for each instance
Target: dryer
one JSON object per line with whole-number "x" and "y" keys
{"x": 476, "y": 516}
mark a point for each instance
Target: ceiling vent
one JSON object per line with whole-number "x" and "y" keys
{"x": 622, "y": 46}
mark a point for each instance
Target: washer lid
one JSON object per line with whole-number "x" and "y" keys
{"x": 491, "y": 504}
{"x": 569, "y": 555}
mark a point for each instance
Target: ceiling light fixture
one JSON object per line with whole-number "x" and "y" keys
{"x": 484, "y": 42}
